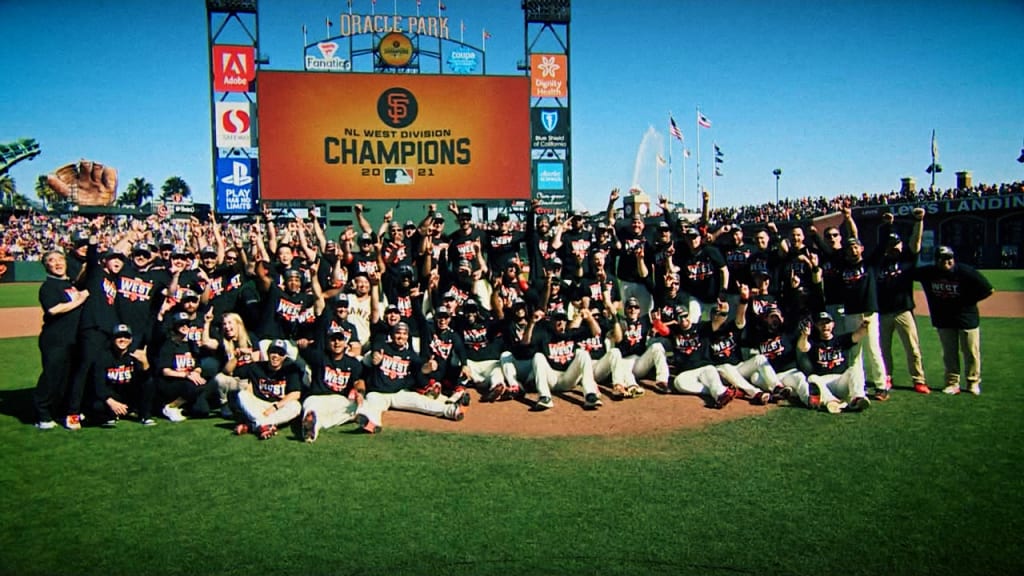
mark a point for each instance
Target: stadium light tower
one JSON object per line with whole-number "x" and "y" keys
{"x": 777, "y": 172}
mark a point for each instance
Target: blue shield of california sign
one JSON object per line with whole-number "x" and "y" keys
{"x": 549, "y": 127}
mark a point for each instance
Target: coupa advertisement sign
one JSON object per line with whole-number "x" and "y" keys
{"x": 381, "y": 136}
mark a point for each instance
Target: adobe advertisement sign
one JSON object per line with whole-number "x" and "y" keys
{"x": 234, "y": 67}
{"x": 549, "y": 75}
{"x": 236, "y": 185}
{"x": 550, "y": 127}
{"x": 382, "y": 136}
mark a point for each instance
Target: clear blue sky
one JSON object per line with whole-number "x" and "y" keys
{"x": 842, "y": 96}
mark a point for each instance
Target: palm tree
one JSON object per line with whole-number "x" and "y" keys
{"x": 45, "y": 193}
{"x": 7, "y": 190}
{"x": 174, "y": 186}
{"x": 136, "y": 194}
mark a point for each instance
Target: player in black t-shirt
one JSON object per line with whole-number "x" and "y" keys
{"x": 835, "y": 381}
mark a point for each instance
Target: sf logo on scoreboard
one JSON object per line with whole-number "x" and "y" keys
{"x": 397, "y": 107}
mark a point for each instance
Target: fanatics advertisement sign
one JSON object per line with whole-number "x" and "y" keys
{"x": 387, "y": 137}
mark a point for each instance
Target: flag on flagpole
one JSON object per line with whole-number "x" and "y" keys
{"x": 935, "y": 147}
{"x": 329, "y": 24}
{"x": 673, "y": 129}
{"x": 303, "y": 29}
{"x": 661, "y": 160}
{"x": 441, "y": 7}
{"x": 718, "y": 151}
{"x": 718, "y": 160}
{"x": 703, "y": 121}
{"x": 686, "y": 152}
{"x": 487, "y": 34}
{"x": 717, "y": 171}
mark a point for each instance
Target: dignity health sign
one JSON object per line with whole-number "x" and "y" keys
{"x": 387, "y": 136}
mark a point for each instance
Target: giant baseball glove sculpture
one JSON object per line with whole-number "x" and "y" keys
{"x": 86, "y": 183}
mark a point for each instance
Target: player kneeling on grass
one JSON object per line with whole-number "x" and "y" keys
{"x": 392, "y": 380}
{"x": 121, "y": 381}
{"x": 336, "y": 388}
{"x": 691, "y": 359}
{"x": 272, "y": 398}
{"x": 835, "y": 382}
{"x": 180, "y": 378}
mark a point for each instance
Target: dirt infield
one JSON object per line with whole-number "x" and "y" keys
{"x": 650, "y": 414}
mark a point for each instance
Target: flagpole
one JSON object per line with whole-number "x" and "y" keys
{"x": 714, "y": 179}
{"x": 305, "y": 41}
{"x": 684, "y": 175}
{"x": 670, "y": 161}
{"x": 700, "y": 191}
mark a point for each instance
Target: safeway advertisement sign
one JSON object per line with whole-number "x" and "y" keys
{"x": 234, "y": 68}
{"x": 234, "y": 124}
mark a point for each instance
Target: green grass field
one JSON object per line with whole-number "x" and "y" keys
{"x": 919, "y": 485}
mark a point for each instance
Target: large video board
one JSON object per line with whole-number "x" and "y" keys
{"x": 393, "y": 136}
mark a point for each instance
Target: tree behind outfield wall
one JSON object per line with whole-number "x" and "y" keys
{"x": 137, "y": 193}
{"x": 173, "y": 187}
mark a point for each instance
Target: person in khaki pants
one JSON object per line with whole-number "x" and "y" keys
{"x": 953, "y": 291}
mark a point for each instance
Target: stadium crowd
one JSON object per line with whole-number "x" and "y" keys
{"x": 26, "y": 237}
{"x": 271, "y": 323}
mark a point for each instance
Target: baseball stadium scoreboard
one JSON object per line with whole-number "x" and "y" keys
{"x": 388, "y": 108}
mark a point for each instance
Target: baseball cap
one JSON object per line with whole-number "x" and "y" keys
{"x": 122, "y": 330}
{"x": 555, "y": 263}
{"x": 470, "y": 306}
{"x": 409, "y": 224}
{"x": 682, "y": 313}
{"x": 823, "y": 317}
{"x": 438, "y": 217}
{"x": 114, "y": 254}
{"x": 632, "y": 302}
{"x": 399, "y": 326}
{"x": 894, "y": 239}
{"x": 180, "y": 319}
{"x": 501, "y": 217}
{"x": 166, "y": 244}
{"x": 340, "y": 300}
{"x": 81, "y": 238}
{"x": 664, "y": 226}
{"x": 189, "y": 294}
{"x": 465, "y": 213}
{"x": 559, "y": 315}
{"x": 770, "y": 309}
{"x": 208, "y": 251}
{"x": 292, "y": 273}
{"x": 180, "y": 251}
{"x": 144, "y": 248}
{"x": 442, "y": 313}
{"x": 691, "y": 232}
{"x": 945, "y": 252}
{"x": 335, "y": 332}
{"x": 366, "y": 237}
{"x": 853, "y": 241}
{"x": 392, "y": 309}
{"x": 278, "y": 347}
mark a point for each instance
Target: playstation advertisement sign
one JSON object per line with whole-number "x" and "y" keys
{"x": 549, "y": 127}
{"x": 236, "y": 185}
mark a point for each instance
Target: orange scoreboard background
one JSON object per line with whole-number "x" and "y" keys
{"x": 389, "y": 136}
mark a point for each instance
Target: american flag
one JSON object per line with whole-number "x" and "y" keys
{"x": 486, "y": 34}
{"x": 674, "y": 130}
{"x": 703, "y": 121}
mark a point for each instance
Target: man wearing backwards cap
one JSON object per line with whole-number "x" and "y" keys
{"x": 895, "y": 262}
{"x": 835, "y": 382}
{"x": 953, "y": 291}
{"x": 272, "y": 399}
{"x": 121, "y": 381}
{"x": 394, "y": 375}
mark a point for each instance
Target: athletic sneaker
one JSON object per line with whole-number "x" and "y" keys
{"x": 495, "y": 393}
{"x": 460, "y": 397}
{"x": 173, "y": 414}
{"x": 112, "y": 423}
{"x": 73, "y": 422}
{"x": 781, "y": 392}
{"x": 309, "y": 431}
{"x": 634, "y": 392}
{"x": 147, "y": 422}
{"x": 592, "y": 402}
{"x": 761, "y": 399}
{"x": 724, "y": 398}
{"x": 367, "y": 426}
{"x": 543, "y": 403}
{"x": 618, "y": 391}
{"x": 458, "y": 414}
{"x": 266, "y": 431}
{"x": 881, "y": 394}
{"x": 813, "y": 396}
{"x": 46, "y": 425}
{"x": 922, "y": 388}
{"x": 833, "y": 407}
{"x": 952, "y": 389}
{"x": 859, "y": 404}
{"x": 975, "y": 389}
